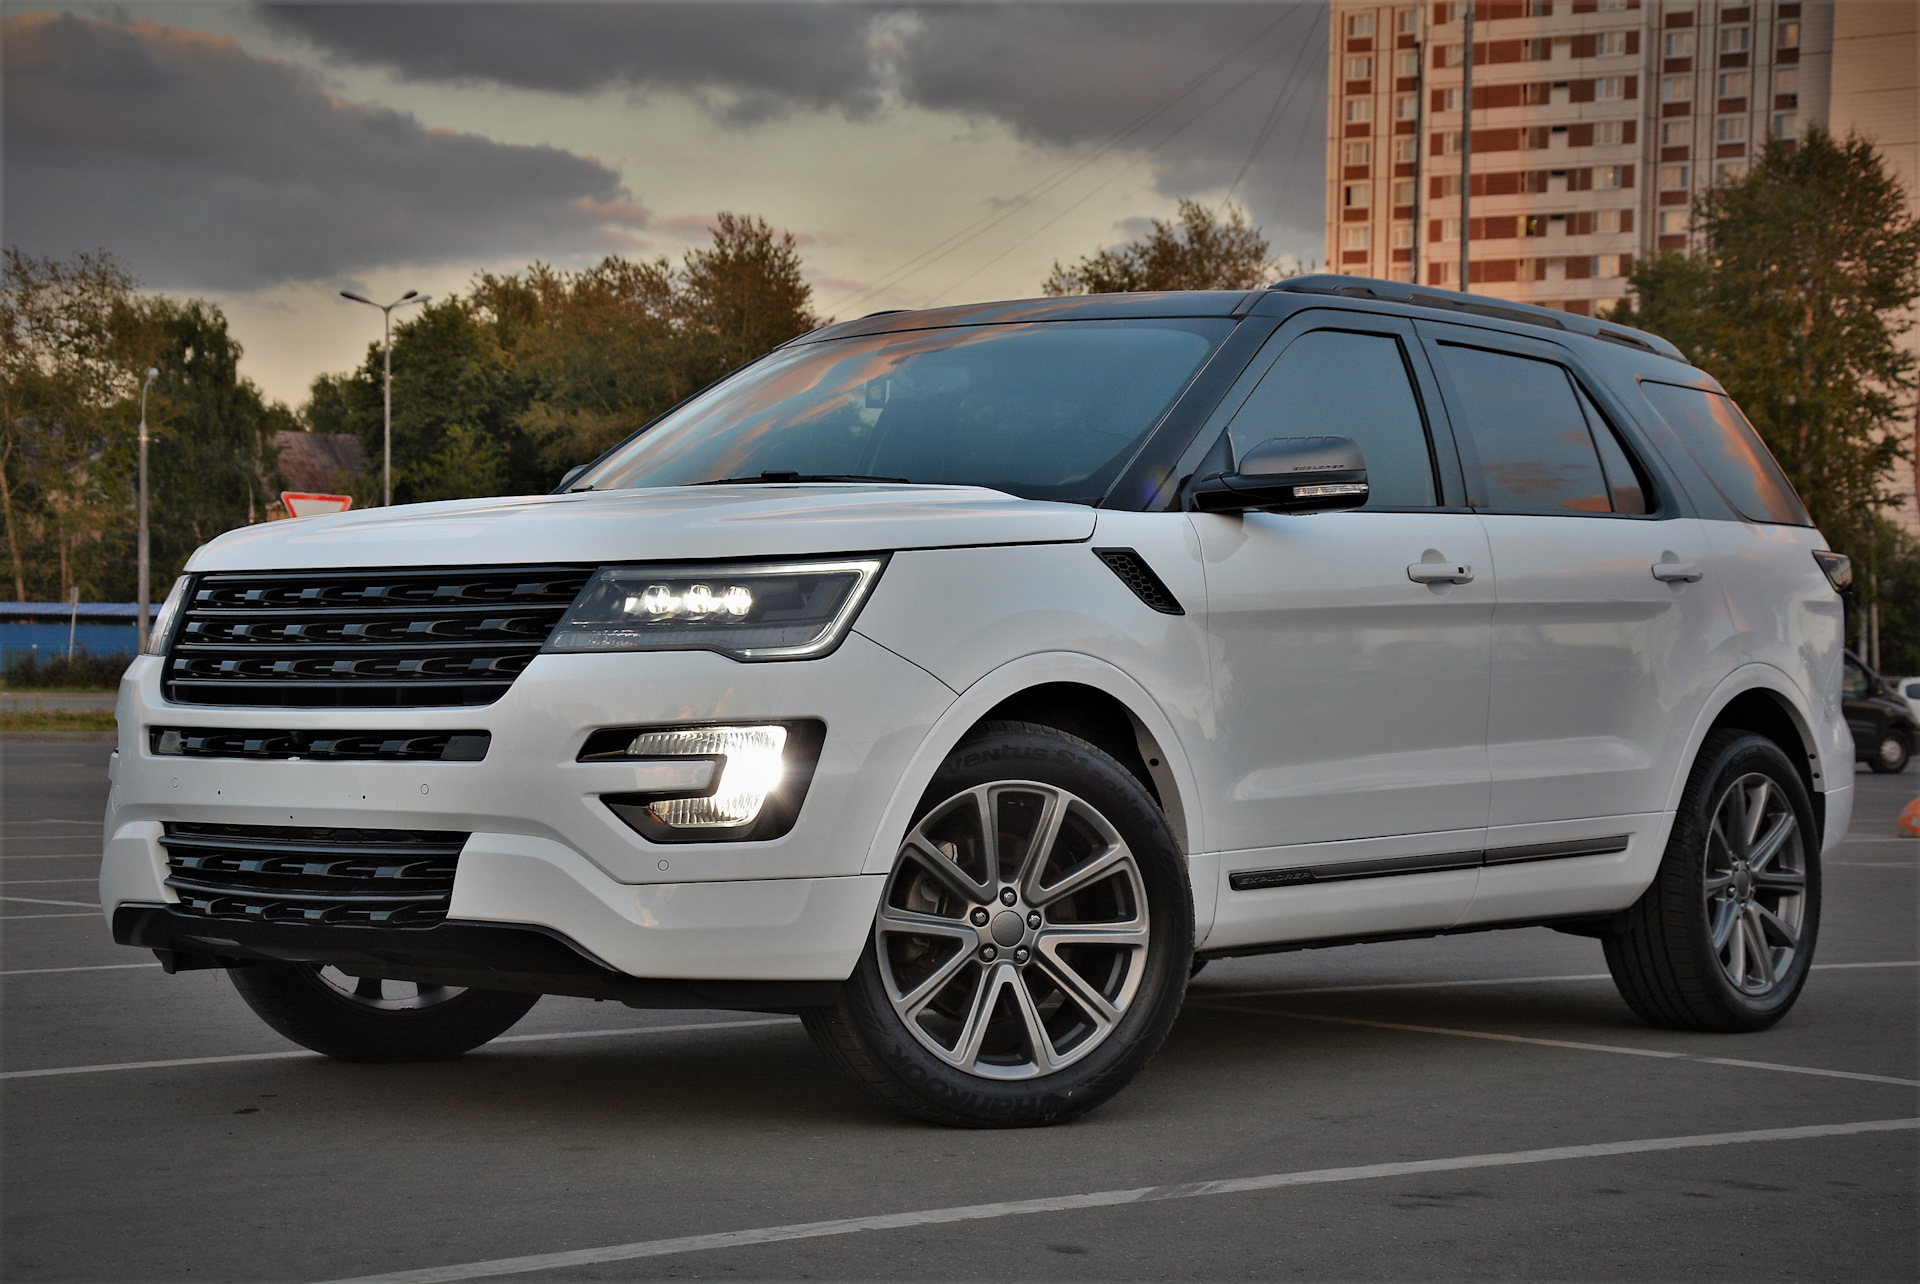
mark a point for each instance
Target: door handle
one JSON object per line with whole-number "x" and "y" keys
{"x": 1676, "y": 572}
{"x": 1440, "y": 573}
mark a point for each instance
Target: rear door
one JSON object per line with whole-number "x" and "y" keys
{"x": 1609, "y": 632}
{"x": 1348, "y": 763}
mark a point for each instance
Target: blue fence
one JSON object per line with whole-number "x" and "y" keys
{"x": 43, "y": 629}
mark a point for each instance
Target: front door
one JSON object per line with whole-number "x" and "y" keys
{"x": 1350, "y": 685}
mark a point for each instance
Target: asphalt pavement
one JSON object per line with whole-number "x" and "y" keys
{"x": 1468, "y": 1107}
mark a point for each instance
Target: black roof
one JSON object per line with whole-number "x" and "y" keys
{"x": 1228, "y": 303}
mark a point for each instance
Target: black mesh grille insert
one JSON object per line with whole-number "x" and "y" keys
{"x": 290, "y": 874}
{"x": 1138, "y": 576}
{"x": 364, "y": 639}
{"x": 355, "y": 746}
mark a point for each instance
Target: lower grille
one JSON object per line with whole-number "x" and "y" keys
{"x": 298, "y": 874}
{"x": 358, "y": 746}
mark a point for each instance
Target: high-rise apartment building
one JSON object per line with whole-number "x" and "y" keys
{"x": 1594, "y": 125}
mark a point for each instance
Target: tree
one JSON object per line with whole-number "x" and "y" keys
{"x": 75, "y": 337}
{"x": 742, "y": 296}
{"x": 1794, "y": 301}
{"x": 1202, "y": 251}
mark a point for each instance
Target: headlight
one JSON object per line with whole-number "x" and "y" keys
{"x": 711, "y": 784}
{"x": 163, "y": 622}
{"x": 773, "y": 611}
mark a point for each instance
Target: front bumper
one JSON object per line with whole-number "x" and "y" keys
{"x": 544, "y": 851}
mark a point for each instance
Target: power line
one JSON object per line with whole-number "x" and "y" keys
{"x": 1289, "y": 87}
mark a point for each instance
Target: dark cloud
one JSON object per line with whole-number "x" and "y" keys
{"x": 743, "y": 61}
{"x": 1206, "y": 76}
{"x": 205, "y": 166}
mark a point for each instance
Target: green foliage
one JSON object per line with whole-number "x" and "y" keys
{"x": 75, "y": 339}
{"x": 1202, "y": 251}
{"x": 504, "y": 389}
{"x": 1794, "y": 302}
{"x": 101, "y": 672}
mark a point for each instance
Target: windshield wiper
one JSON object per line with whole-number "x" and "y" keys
{"x": 776, "y": 475}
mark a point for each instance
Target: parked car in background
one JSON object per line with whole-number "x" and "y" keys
{"x": 958, "y": 679}
{"x": 1879, "y": 716}
{"x": 1908, "y": 689}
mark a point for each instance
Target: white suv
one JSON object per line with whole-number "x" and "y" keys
{"x": 960, "y": 679}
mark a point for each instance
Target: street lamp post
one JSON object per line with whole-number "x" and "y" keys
{"x": 386, "y": 344}
{"x": 146, "y": 593}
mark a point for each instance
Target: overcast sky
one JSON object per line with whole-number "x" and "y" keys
{"x": 267, "y": 156}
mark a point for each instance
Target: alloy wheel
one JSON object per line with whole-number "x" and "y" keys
{"x": 1012, "y": 937}
{"x": 384, "y": 995}
{"x": 1755, "y": 884}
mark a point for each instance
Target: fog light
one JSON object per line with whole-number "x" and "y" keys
{"x": 752, "y": 769}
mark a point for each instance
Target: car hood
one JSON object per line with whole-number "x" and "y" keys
{"x": 674, "y": 524}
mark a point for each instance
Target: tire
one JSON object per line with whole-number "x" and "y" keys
{"x": 1723, "y": 938}
{"x": 973, "y": 1005}
{"x": 1890, "y": 755}
{"x": 354, "y": 1019}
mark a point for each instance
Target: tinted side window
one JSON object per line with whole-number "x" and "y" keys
{"x": 1725, "y": 445}
{"x": 1536, "y": 453}
{"x": 1624, "y": 483}
{"x": 1855, "y": 681}
{"x": 1341, "y": 384}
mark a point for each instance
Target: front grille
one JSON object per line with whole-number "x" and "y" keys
{"x": 352, "y": 746}
{"x": 297, "y": 874}
{"x": 364, "y": 639}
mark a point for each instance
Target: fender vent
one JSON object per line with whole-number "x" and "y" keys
{"x": 1138, "y": 576}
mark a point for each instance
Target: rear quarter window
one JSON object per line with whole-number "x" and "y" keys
{"x": 1730, "y": 452}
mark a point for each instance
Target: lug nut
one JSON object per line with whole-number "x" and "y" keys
{"x": 988, "y": 953}
{"x": 1007, "y": 896}
{"x": 1033, "y": 919}
{"x": 1022, "y": 954}
{"x": 979, "y": 918}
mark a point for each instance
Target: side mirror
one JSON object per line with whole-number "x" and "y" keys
{"x": 1287, "y": 475}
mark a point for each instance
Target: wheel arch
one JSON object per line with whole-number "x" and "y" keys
{"x": 1077, "y": 694}
{"x": 1760, "y": 699}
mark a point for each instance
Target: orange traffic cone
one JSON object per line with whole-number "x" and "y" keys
{"x": 1909, "y": 822}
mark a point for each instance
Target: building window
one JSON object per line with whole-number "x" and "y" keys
{"x": 1539, "y": 8}
{"x": 1605, "y": 265}
{"x": 1730, "y": 129}
{"x": 1673, "y": 222}
{"x": 1610, "y": 89}
{"x": 1608, "y": 175}
{"x": 1449, "y": 100}
{"x": 1407, "y": 21}
{"x": 1537, "y": 93}
{"x": 1736, "y": 39}
{"x": 1407, "y": 63}
{"x": 1402, "y": 235}
{"x": 1449, "y": 229}
{"x": 1536, "y": 50}
{"x": 1678, "y": 44}
{"x": 1611, "y": 44}
{"x": 1673, "y": 133}
{"x": 1609, "y": 133}
{"x": 1358, "y": 196}
{"x": 1359, "y": 153}
{"x": 1785, "y": 124}
{"x": 1406, "y": 150}
{"x": 1359, "y": 110}
{"x": 1356, "y": 238}
{"x": 1360, "y": 68}
{"x": 1535, "y": 225}
{"x": 1607, "y": 6}
{"x": 1606, "y": 221}
{"x": 1404, "y": 275}
{"x": 1360, "y": 25}
{"x": 1403, "y": 192}
{"x": 1449, "y": 185}
{"x": 1676, "y": 89}
{"x": 1448, "y": 56}
{"x": 1442, "y": 273}
{"x": 1729, "y": 171}
{"x": 1734, "y": 84}
{"x": 1450, "y": 142}
{"x": 1673, "y": 178}
{"x": 1788, "y": 35}
{"x": 1406, "y": 107}
{"x": 1786, "y": 80}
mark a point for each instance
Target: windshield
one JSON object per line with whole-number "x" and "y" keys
{"x": 1047, "y": 410}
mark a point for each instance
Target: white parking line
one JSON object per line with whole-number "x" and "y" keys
{"x": 97, "y": 967}
{"x": 51, "y": 856}
{"x": 236, "y": 1058}
{"x": 1501, "y": 980}
{"x": 14, "y": 918}
{"x": 576, "y": 1258}
{"x": 36, "y": 900}
{"x": 38, "y": 882}
{"x": 1614, "y": 1048}
{"x": 1876, "y": 864}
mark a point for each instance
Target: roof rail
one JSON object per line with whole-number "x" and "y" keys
{"x": 1362, "y": 287}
